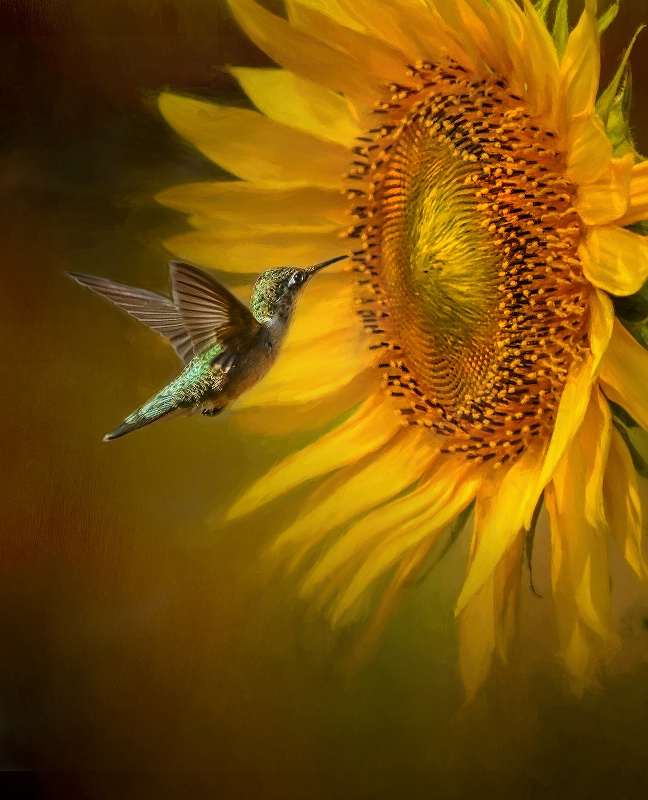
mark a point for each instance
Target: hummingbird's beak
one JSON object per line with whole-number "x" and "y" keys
{"x": 323, "y": 264}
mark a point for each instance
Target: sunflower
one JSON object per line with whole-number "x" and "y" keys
{"x": 482, "y": 353}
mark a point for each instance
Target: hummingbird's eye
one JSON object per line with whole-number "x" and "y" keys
{"x": 296, "y": 279}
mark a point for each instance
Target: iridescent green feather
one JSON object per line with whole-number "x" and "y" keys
{"x": 267, "y": 291}
{"x": 189, "y": 388}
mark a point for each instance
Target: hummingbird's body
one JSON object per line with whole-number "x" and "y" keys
{"x": 226, "y": 347}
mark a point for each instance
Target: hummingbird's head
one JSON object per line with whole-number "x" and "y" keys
{"x": 275, "y": 290}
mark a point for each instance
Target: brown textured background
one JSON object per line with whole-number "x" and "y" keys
{"x": 145, "y": 651}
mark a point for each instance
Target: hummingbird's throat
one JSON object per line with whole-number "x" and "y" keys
{"x": 467, "y": 242}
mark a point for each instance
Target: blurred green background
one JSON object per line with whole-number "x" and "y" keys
{"x": 145, "y": 650}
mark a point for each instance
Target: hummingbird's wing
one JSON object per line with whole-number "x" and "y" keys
{"x": 211, "y": 313}
{"x": 157, "y": 312}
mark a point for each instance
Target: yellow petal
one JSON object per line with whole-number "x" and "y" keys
{"x": 403, "y": 542}
{"x": 580, "y": 66}
{"x": 253, "y": 147}
{"x": 401, "y": 524}
{"x": 309, "y": 415}
{"x": 624, "y": 374}
{"x": 518, "y": 43}
{"x": 589, "y": 151}
{"x": 594, "y": 442}
{"x": 326, "y": 310}
{"x": 623, "y": 505}
{"x": 298, "y": 103}
{"x": 411, "y": 28}
{"x": 357, "y": 489}
{"x": 399, "y": 23}
{"x": 307, "y": 374}
{"x": 487, "y": 623}
{"x": 503, "y": 505}
{"x": 337, "y": 339}
{"x": 580, "y": 571}
{"x": 259, "y": 252}
{"x": 381, "y": 61}
{"x": 606, "y": 200}
{"x": 291, "y": 394}
{"x": 242, "y": 203}
{"x": 366, "y": 431}
{"x": 477, "y": 630}
{"x": 578, "y": 515}
{"x": 576, "y": 394}
{"x": 542, "y": 84}
{"x": 389, "y": 598}
{"x": 638, "y": 202}
{"x": 303, "y": 54}
{"x": 336, "y": 9}
{"x": 438, "y": 38}
{"x": 501, "y": 516}
{"x": 491, "y": 36}
{"x": 226, "y": 230}
{"x": 615, "y": 259}
{"x": 448, "y": 22}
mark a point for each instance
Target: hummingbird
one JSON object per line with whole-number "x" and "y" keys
{"x": 226, "y": 347}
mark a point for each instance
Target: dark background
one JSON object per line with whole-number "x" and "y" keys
{"x": 146, "y": 651}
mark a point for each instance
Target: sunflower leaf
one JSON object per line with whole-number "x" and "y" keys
{"x": 561, "y": 27}
{"x": 606, "y": 100}
{"x": 608, "y": 17}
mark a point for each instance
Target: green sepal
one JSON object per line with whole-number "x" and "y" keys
{"x": 561, "y": 27}
{"x": 606, "y": 100}
{"x": 621, "y": 415}
{"x": 638, "y": 330}
{"x": 641, "y": 228}
{"x": 618, "y": 123}
{"x": 528, "y": 543}
{"x": 542, "y": 7}
{"x": 607, "y": 17}
{"x": 634, "y": 307}
{"x": 639, "y": 462}
{"x": 632, "y": 310}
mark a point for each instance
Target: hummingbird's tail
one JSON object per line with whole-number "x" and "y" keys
{"x": 159, "y": 406}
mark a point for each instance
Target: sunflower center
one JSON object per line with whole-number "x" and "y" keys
{"x": 468, "y": 254}
{"x": 437, "y": 266}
